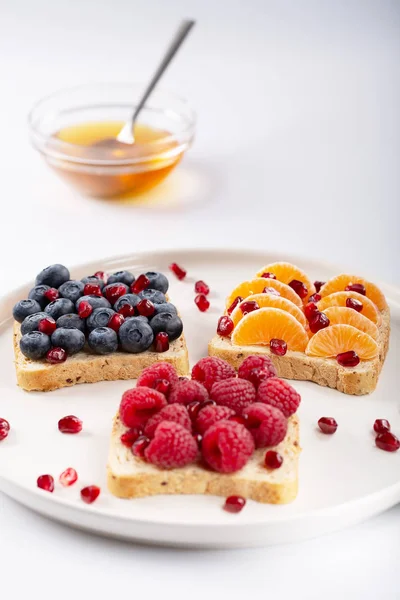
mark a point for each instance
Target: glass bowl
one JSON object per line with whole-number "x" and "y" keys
{"x": 69, "y": 127}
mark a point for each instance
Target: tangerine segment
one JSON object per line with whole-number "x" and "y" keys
{"x": 335, "y": 339}
{"x": 341, "y": 315}
{"x": 369, "y": 309}
{"x": 259, "y": 327}
{"x": 286, "y": 272}
{"x": 256, "y": 286}
{"x": 340, "y": 282}
{"x": 270, "y": 300}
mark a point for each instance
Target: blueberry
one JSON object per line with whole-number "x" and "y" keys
{"x": 61, "y": 306}
{"x": 23, "y": 308}
{"x": 140, "y": 317}
{"x": 99, "y": 318}
{"x": 131, "y": 299}
{"x": 158, "y": 281}
{"x": 135, "y": 335}
{"x": 94, "y": 301}
{"x": 37, "y": 293}
{"x": 71, "y": 321}
{"x": 54, "y": 276}
{"x": 35, "y": 344}
{"x": 155, "y": 296}
{"x": 165, "y": 307}
{"x": 71, "y": 290}
{"x": 72, "y": 340}
{"x": 31, "y": 322}
{"x": 94, "y": 280}
{"x": 121, "y": 277}
{"x": 103, "y": 340}
{"x": 169, "y": 323}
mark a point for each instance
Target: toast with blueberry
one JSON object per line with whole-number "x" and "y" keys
{"x": 96, "y": 329}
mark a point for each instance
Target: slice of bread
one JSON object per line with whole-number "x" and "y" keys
{"x": 324, "y": 371}
{"x": 84, "y": 367}
{"x": 131, "y": 477}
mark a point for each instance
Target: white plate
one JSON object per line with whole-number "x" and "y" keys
{"x": 344, "y": 478}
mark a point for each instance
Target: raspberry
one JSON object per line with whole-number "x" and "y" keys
{"x": 151, "y": 376}
{"x": 172, "y": 446}
{"x": 267, "y": 424}
{"x": 256, "y": 368}
{"x": 209, "y": 415}
{"x": 227, "y": 446}
{"x": 175, "y": 413}
{"x": 279, "y": 393}
{"x": 139, "y": 404}
{"x": 186, "y": 391}
{"x": 234, "y": 393}
{"x": 211, "y": 369}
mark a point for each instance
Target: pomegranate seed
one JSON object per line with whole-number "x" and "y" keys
{"x": 91, "y": 289}
{"x": 47, "y": 325}
{"x": 85, "y": 309}
{"x": 225, "y": 326}
{"x": 278, "y": 347}
{"x": 68, "y": 477}
{"x": 4, "y": 429}
{"x": 56, "y": 355}
{"x": 200, "y": 287}
{"x": 177, "y": 270}
{"x": 234, "y": 304}
{"x": 327, "y": 425}
{"x": 70, "y": 424}
{"x": 161, "y": 342}
{"x": 355, "y": 304}
{"x": 162, "y": 386}
{"x": 193, "y": 409}
{"x": 140, "y": 445}
{"x": 129, "y": 437}
{"x": 113, "y": 292}
{"x": 208, "y": 403}
{"x": 271, "y": 290}
{"x": 299, "y": 287}
{"x": 318, "y": 285}
{"x": 310, "y": 310}
{"x": 201, "y": 302}
{"x": 234, "y": 504}
{"x": 318, "y": 321}
{"x": 315, "y": 298}
{"x": 141, "y": 283}
{"x": 348, "y": 359}
{"x": 51, "y": 294}
{"x": 273, "y": 460}
{"x": 127, "y": 310}
{"x": 238, "y": 419}
{"x": 268, "y": 275}
{"x": 257, "y": 375}
{"x": 250, "y": 306}
{"x": 90, "y": 493}
{"x": 45, "y": 482}
{"x": 145, "y": 308}
{"x": 356, "y": 287}
{"x": 198, "y": 438}
{"x": 387, "y": 441}
{"x": 381, "y": 426}
{"x": 116, "y": 321}
{"x": 101, "y": 275}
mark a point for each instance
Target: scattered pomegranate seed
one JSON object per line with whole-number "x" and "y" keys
{"x": 85, "y": 309}
{"x": 140, "y": 445}
{"x": 310, "y": 310}
{"x": 278, "y": 347}
{"x": 238, "y": 419}
{"x": 127, "y": 310}
{"x": 208, "y": 403}
{"x": 141, "y": 283}
{"x": 271, "y": 290}
{"x": 327, "y": 425}
{"x": 4, "y": 429}
{"x": 70, "y": 424}
{"x": 318, "y": 285}
{"x": 381, "y": 426}
{"x": 268, "y": 275}
{"x": 234, "y": 304}
{"x": 145, "y": 308}
{"x": 257, "y": 375}
{"x": 161, "y": 342}
{"x": 51, "y": 294}
{"x": 225, "y": 326}
{"x": 113, "y": 292}
{"x": 249, "y": 306}
{"x": 355, "y": 304}
{"x": 318, "y": 321}
{"x": 198, "y": 438}
{"x": 116, "y": 321}
{"x": 101, "y": 275}
{"x": 200, "y": 287}
{"x": 348, "y": 359}
{"x": 315, "y": 298}
{"x": 45, "y": 482}
{"x": 356, "y": 287}
{"x": 129, "y": 437}
{"x": 177, "y": 270}
{"x": 234, "y": 504}
{"x": 90, "y": 493}
{"x": 68, "y": 477}
{"x": 193, "y": 409}
{"x": 273, "y": 460}
{"x": 387, "y": 441}
{"x": 47, "y": 325}
{"x": 56, "y": 355}
{"x": 201, "y": 302}
{"x": 92, "y": 289}
{"x": 299, "y": 287}
{"x": 162, "y": 386}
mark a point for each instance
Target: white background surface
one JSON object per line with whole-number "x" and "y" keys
{"x": 297, "y": 150}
